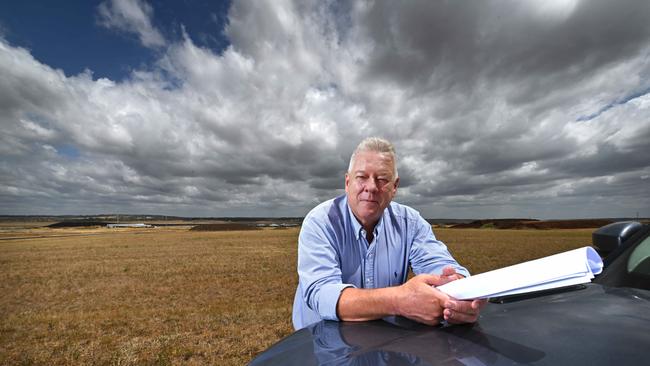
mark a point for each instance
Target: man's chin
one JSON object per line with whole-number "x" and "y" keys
{"x": 369, "y": 212}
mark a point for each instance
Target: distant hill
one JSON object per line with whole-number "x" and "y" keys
{"x": 448, "y": 222}
{"x": 539, "y": 224}
{"x": 256, "y": 222}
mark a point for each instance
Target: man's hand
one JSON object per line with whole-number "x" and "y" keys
{"x": 460, "y": 311}
{"x": 417, "y": 299}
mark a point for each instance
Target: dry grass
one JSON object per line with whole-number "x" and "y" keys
{"x": 173, "y": 296}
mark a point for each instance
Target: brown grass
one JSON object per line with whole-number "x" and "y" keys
{"x": 172, "y": 296}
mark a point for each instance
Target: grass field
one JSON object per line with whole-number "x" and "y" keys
{"x": 172, "y": 296}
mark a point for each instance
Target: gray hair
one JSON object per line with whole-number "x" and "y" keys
{"x": 375, "y": 144}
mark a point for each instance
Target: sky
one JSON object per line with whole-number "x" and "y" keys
{"x": 529, "y": 109}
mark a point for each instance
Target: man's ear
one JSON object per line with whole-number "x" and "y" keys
{"x": 347, "y": 182}
{"x": 395, "y": 185}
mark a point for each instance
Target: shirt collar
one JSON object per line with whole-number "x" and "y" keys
{"x": 356, "y": 225}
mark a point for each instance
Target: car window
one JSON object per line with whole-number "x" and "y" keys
{"x": 639, "y": 261}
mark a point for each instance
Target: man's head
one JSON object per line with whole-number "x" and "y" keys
{"x": 371, "y": 181}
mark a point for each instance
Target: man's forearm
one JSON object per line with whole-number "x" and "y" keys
{"x": 367, "y": 304}
{"x": 416, "y": 299}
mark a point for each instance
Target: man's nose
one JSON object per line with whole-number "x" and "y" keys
{"x": 371, "y": 185}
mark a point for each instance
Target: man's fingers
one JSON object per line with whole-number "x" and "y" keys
{"x": 419, "y": 299}
{"x": 430, "y": 279}
{"x": 457, "y": 311}
{"x": 448, "y": 271}
{"x": 449, "y": 274}
{"x": 460, "y": 306}
{"x": 478, "y": 304}
{"x": 455, "y": 317}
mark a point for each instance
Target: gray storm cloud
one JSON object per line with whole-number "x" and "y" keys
{"x": 501, "y": 108}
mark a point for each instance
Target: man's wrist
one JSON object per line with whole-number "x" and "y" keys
{"x": 395, "y": 299}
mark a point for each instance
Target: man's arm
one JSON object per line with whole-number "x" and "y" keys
{"x": 416, "y": 299}
{"x": 430, "y": 255}
{"x": 319, "y": 272}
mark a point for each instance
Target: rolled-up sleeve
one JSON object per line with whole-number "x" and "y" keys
{"x": 319, "y": 269}
{"x": 429, "y": 255}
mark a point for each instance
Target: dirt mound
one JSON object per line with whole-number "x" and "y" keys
{"x": 224, "y": 227}
{"x": 83, "y": 223}
{"x": 495, "y": 224}
{"x": 534, "y": 224}
{"x": 570, "y": 224}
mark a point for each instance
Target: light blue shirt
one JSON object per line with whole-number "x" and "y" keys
{"x": 333, "y": 254}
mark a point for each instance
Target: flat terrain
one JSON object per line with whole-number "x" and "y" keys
{"x": 169, "y": 295}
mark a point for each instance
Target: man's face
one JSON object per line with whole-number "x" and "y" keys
{"x": 370, "y": 186}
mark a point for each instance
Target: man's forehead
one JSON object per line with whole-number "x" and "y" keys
{"x": 367, "y": 159}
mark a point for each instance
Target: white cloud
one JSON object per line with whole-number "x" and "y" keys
{"x": 485, "y": 128}
{"x": 131, "y": 16}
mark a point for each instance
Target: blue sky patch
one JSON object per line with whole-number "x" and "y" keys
{"x": 67, "y": 35}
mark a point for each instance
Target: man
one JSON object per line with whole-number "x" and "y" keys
{"x": 354, "y": 252}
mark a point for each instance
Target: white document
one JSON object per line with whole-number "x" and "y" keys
{"x": 564, "y": 269}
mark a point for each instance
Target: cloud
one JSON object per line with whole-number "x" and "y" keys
{"x": 131, "y": 16}
{"x": 482, "y": 100}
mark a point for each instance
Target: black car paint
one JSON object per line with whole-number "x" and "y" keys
{"x": 591, "y": 324}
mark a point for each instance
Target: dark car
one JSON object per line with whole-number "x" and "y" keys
{"x": 606, "y": 322}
